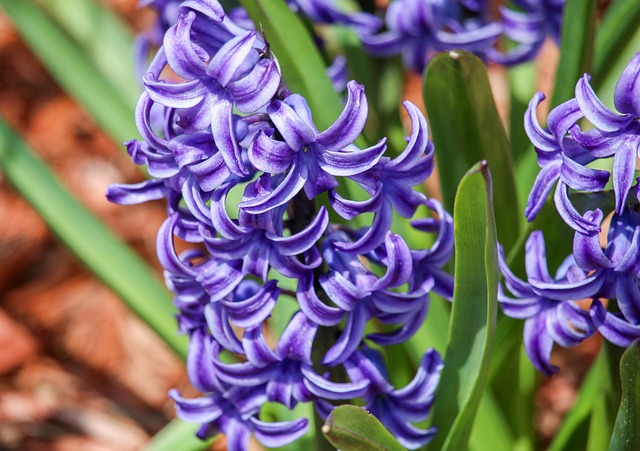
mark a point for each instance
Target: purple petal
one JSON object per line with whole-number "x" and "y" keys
{"x": 199, "y": 410}
{"x": 399, "y": 263}
{"x": 626, "y": 93}
{"x": 582, "y": 178}
{"x": 274, "y": 435}
{"x": 536, "y": 258}
{"x": 184, "y": 58}
{"x": 302, "y": 241}
{"x": 350, "y": 123}
{"x": 297, "y": 339}
{"x": 138, "y": 192}
{"x": 538, "y": 345}
{"x": 200, "y": 366}
{"x": 349, "y": 339}
{"x": 613, "y": 328}
{"x": 220, "y": 218}
{"x": 324, "y": 388}
{"x": 348, "y": 163}
{"x": 255, "y": 90}
{"x": 294, "y": 129}
{"x": 624, "y": 166}
{"x": 595, "y": 111}
{"x": 231, "y": 55}
{"x": 286, "y": 190}
{"x": 175, "y": 95}
{"x": 256, "y": 348}
{"x": 223, "y": 130}
{"x": 316, "y": 310}
{"x": 269, "y": 155}
{"x": 542, "y": 186}
{"x": 252, "y": 311}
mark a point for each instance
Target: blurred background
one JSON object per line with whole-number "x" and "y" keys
{"x": 78, "y": 370}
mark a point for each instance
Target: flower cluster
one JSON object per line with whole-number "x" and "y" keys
{"x": 218, "y": 124}
{"x": 592, "y": 272}
{"x": 415, "y": 29}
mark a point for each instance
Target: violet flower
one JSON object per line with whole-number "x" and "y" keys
{"x": 615, "y": 134}
{"x": 548, "y": 305}
{"x": 417, "y": 29}
{"x": 529, "y": 28}
{"x": 616, "y": 268}
{"x": 563, "y": 161}
{"x": 310, "y": 159}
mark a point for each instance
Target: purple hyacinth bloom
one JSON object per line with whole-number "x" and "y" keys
{"x": 257, "y": 242}
{"x": 288, "y": 371}
{"x": 354, "y": 289}
{"x": 397, "y": 409}
{"x": 547, "y": 304}
{"x": 615, "y": 134}
{"x": 529, "y": 28}
{"x": 393, "y": 180}
{"x": 310, "y": 159}
{"x": 563, "y": 161}
{"x": 328, "y": 12}
{"x": 234, "y": 414}
{"x": 617, "y": 268}
{"x": 216, "y": 80}
{"x": 417, "y": 29}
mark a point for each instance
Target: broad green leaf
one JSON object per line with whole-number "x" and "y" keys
{"x": 302, "y": 66}
{"x": 177, "y": 435}
{"x": 626, "y": 432}
{"x": 466, "y": 128}
{"x": 351, "y": 428}
{"x": 491, "y": 427}
{"x": 72, "y": 70}
{"x": 620, "y": 22}
{"x": 86, "y": 236}
{"x": 576, "y": 49}
{"x": 104, "y": 38}
{"x": 473, "y": 313}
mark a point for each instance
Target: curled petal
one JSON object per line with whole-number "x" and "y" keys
{"x": 200, "y": 363}
{"x": 538, "y": 345}
{"x": 297, "y": 339}
{"x": 275, "y": 435}
{"x": 269, "y": 155}
{"x": 350, "y": 338}
{"x": 624, "y": 166}
{"x": 536, "y": 257}
{"x": 540, "y": 138}
{"x": 399, "y": 263}
{"x": 185, "y": 59}
{"x": 613, "y": 328}
{"x": 231, "y": 55}
{"x": 175, "y": 95}
{"x": 595, "y": 111}
{"x": 138, "y": 192}
{"x": 626, "y": 93}
{"x": 350, "y": 123}
{"x": 582, "y": 178}
{"x": 316, "y": 310}
{"x": 256, "y": 89}
{"x": 324, "y": 388}
{"x": 294, "y": 129}
{"x": 252, "y": 311}
{"x": 569, "y": 214}
{"x": 199, "y": 410}
{"x": 349, "y": 163}
{"x": 302, "y": 241}
{"x": 586, "y": 248}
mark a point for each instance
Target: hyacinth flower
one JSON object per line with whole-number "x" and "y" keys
{"x": 308, "y": 159}
{"x": 562, "y": 160}
{"x": 229, "y": 128}
{"x": 548, "y": 304}
{"x": 328, "y": 12}
{"x": 617, "y": 268}
{"x": 397, "y": 409}
{"x": 528, "y": 28}
{"x": 615, "y": 134}
{"x": 417, "y": 29}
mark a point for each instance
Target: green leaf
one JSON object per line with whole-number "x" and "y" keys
{"x": 301, "y": 63}
{"x": 87, "y": 237}
{"x": 473, "y": 314}
{"x": 576, "y": 49}
{"x": 466, "y": 128}
{"x": 351, "y": 428}
{"x": 626, "y": 432}
{"x": 177, "y": 435}
{"x": 72, "y": 70}
{"x": 620, "y": 22}
{"x": 104, "y": 39}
